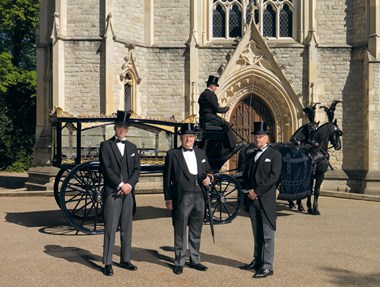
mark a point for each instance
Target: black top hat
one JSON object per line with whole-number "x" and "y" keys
{"x": 122, "y": 118}
{"x": 260, "y": 128}
{"x": 212, "y": 80}
{"x": 187, "y": 128}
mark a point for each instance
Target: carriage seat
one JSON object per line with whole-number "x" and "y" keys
{"x": 212, "y": 132}
{"x": 211, "y": 127}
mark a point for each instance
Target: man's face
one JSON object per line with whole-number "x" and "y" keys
{"x": 213, "y": 87}
{"x": 188, "y": 140}
{"x": 260, "y": 140}
{"x": 121, "y": 130}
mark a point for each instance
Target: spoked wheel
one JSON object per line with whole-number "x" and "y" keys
{"x": 81, "y": 198}
{"x": 226, "y": 198}
{"x": 59, "y": 178}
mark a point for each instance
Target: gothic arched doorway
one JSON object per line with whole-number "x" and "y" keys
{"x": 250, "y": 109}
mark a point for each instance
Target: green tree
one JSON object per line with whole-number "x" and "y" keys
{"x": 18, "y": 22}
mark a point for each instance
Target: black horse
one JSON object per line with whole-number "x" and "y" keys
{"x": 328, "y": 133}
{"x": 308, "y": 152}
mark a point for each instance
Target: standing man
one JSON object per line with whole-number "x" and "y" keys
{"x": 209, "y": 107}
{"x": 120, "y": 166}
{"x": 186, "y": 172}
{"x": 260, "y": 177}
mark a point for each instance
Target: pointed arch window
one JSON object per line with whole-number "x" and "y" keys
{"x": 227, "y": 18}
{"x": 269, "y": 22}
{"x": 130, "y": 80}
{"x": 235, "y": 22}
{"x": 128, "y": 92}
{"x": 286, "y": 22}
{"x": 219, "y": 20}
{"x": 274, "y": 18}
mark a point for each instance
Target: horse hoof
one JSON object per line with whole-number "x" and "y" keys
{"x": 292, "y": 205}
{"x": 316, "y": 212}
{"x": 310, "y": 211}
{"x": 301, "y": 209}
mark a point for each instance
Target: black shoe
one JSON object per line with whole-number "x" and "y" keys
{"x": 178, "y": 270}
{"x": 128, "y": 265}
{"x": 198, "y": 266}
{"x": 262, "y": 273}
{"x": 253, "y": 265}
{"x": 107, "y": 270}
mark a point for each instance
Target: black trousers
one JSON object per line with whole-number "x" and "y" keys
{"x": 218, "y": 121}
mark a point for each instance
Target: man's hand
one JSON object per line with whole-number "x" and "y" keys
{"x": 252, "y": 194}
{"x": 125, "y": 189}
{"x": 206, "y": 182}
{"x": 169, "y": 204}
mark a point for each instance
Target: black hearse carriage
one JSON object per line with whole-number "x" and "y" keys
{"x": 78, "y": 185}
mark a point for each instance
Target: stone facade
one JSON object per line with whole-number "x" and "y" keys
{"x": 85, "y": 47}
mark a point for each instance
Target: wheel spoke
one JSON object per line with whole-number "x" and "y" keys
{"x": 227, "y": 198}
{"x": 80, "y": 198}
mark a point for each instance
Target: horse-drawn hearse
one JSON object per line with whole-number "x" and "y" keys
{"x": 78, "y": 185}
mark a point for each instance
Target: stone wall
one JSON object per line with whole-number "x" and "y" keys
{"x": 332, "y": 18}
{"x": 357, "y": 28}
{"x": 128, "y": 20}
{"x": 164, "y": 93}
{"x": 293, "y": 62}
{"x": 334, "y": 84}
{"x": 82, "y": 83}
{"x": 83, "y": 18}
{"x": 171, "y": 22}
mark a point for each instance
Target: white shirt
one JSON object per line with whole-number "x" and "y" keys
{"x": 258, "y": 154}
{"x": 121, "y": 147}
{"x": 191, "y": 161}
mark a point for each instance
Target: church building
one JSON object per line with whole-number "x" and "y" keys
{"x": 272, "y": 57}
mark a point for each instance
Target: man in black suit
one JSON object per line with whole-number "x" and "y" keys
{"x": 120, "y": 166}
{"x": 186, "y": 173}
{"x": 260, "y": 178}
{"x": 209, "y": 107}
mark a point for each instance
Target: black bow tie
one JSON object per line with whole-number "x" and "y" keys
{"x": 187, "y": 149}
{"x": 120, "y": 141}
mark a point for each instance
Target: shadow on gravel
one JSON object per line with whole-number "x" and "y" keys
{"x": 36, "y": 218}
{"x": 75, "y": 255}
{"x": 165, "y": 257}
{"x": 341, "y": 277}
{"x": 51, "y": 222}
{"x": 159, "y": 257}
{"x": 54, "y": 223}
{"x": 282, "y": 208}
{"x": 150, "y": 212}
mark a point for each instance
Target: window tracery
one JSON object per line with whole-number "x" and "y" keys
{"x": 274, "y": 18}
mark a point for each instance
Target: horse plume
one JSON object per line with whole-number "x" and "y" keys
{"x": 310, "y": 112}
{"x": 330, "y": 111}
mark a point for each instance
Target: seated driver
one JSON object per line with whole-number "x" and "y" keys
{"x": 209, "y": 107}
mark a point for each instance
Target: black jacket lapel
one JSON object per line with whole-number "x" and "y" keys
{"x": 182, "y": 162}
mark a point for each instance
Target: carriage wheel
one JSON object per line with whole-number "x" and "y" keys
{"x": 59, "y": 178}
{"x": 81, "y": 198}
{"x": 226, "y": 198}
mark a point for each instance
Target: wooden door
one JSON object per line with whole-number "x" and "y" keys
{"x": 250, "y": 109}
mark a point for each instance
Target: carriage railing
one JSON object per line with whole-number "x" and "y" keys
{"x": 77, "y": 139}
